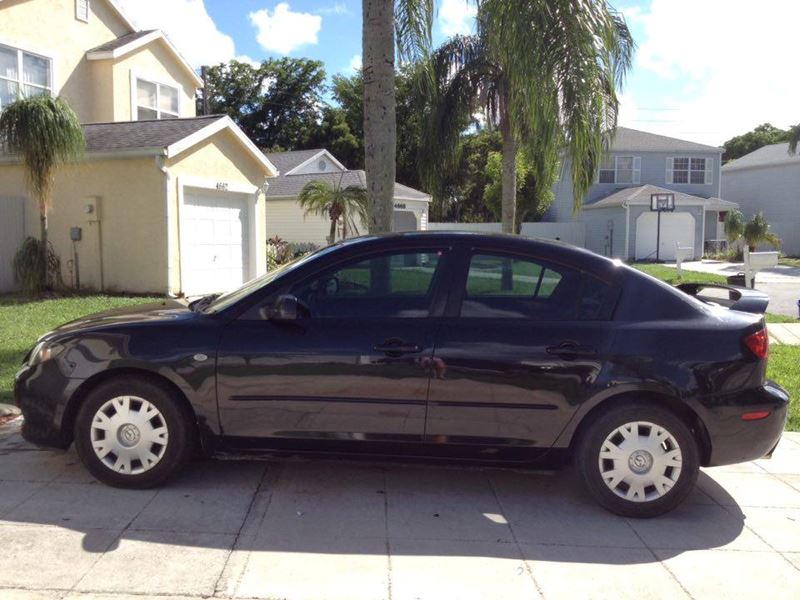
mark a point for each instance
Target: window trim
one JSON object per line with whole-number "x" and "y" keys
{"x": 20, "y": 74}
{"x": 136, "y": 78}
{"x": 78, "y": 15}
{"x": 636, "y": 170}
{"x": 708, "y": 170}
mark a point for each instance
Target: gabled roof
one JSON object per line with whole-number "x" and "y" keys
{"x": 127, "y": 43}
{"x": 766, "y": 156}
{"x": 633, "y": 140}
{"x": 290, "y": 161}
{"x": 165, "y": 137}
{"x": 290, "y": 186}
{"x": 640, "y": 196}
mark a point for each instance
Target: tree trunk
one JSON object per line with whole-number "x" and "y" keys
{"x": 509, "y": 179}
{"x": 43, "y": 238}
{"x": 380, "y": 126}
{"x": 332, "y": 234}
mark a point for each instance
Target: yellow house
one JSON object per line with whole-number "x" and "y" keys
{"x": 163, "y": 201}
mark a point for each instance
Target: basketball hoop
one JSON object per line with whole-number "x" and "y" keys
{"x": 662, "y": 202}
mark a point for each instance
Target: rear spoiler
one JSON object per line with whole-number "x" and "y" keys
{"x": 739, "y": 298}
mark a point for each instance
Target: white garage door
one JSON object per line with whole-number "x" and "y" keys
{"x": 12, "y": 232}
{"x": 215, "y": 241}
{"x": 676, "y": 228}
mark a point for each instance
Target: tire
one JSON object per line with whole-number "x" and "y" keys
{"x": 637, "y": 476}
{"x": 131, "y": 432}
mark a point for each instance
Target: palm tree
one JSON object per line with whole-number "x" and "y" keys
{"x": 734, "y": 226}
{"x": 348, "y": 204}
{"x": 545, "y": 73}
{"x": 794, "y": 138}
{"x": 756, "y": 231}
{"x": 410, "y": 21}
{"x": 45, "y": 133}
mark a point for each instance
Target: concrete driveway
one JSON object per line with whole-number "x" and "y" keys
{"x": 335, "y": 529}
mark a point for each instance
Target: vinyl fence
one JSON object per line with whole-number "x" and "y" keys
{"x": 571, "y": 233}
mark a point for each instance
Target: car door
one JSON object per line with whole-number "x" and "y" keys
{"x": 520, "y": 346}
{"x": 354, "y": 366}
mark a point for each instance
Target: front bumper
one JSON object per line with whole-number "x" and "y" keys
{"x": 42, "y": 392}
{"x": 734, "y": 440}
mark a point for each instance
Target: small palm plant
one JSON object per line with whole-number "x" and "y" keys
{"x": 794, "y": 138}
{"x": 756, "y": 232}
{"x": 734, "y": 226}
{"x": 336, "y": 202}
{"x": 45, "y": 133}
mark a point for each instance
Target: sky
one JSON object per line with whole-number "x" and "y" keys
{"x": 704, "y": 70}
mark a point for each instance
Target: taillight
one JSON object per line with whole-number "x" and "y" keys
{"x": 758, "y": 343}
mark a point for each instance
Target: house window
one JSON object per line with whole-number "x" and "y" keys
{"x": 155, "y": 101}
{"x": 82, "y": 10}
{"x": 23, "y": 74}
{"x": 687, "y": 169}
{"x": 620, "y": 169}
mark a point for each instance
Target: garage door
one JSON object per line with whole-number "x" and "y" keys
{"x": 12, "y": 232}
{"x": 676, "y": 228}
{"x": 215, "y": 241}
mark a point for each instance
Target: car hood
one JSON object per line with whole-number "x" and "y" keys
{"x": 166, "y": 310}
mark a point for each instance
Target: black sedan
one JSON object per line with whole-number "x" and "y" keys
{"x": 448, "y": 345}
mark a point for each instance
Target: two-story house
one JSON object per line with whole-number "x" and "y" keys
{"x": 163, "y": 200}
{"x": 617, "y": 212}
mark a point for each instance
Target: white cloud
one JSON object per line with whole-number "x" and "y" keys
{"x": 339, "y": 8}
{"x": 457, "y": 17}
{"x": 721, "y": 67}
{"x": 283, "y": 30}
{"x": 248, "y": 61}
{"x": 355, "y": 63}
{"x": 187, "y": 24}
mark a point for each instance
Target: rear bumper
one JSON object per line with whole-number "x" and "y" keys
{"x": 734, "y": 440}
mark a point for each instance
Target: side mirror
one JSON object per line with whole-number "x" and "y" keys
{"x": 286, "y": 308}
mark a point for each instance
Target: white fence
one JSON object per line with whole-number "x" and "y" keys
{"x": 571, "y": 233}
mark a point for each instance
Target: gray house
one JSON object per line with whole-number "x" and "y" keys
{"x": 616, "y": 211}
{"x": 768, "y": 180}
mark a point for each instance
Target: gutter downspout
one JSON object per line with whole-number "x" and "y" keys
{"x": 626, "y": 253}
{"x": 161, "y": 163}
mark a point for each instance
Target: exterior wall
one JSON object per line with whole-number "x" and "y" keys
{"x": 773, "y": 190}
{"x": 570, "y": 233}
{"x": 286, "y": 220}
{"x": 654, "y": 172}
{"x": 313, "y": 167}
{"x": 697, "y": 213}
{"x": 123, "y": 245}
{"x": 220, "y": 160}
{"x": 602, "y": 238}
{"x": 155, "y": 63}
{"x": 49, "y": 28}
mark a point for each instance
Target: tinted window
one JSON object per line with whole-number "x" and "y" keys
{"x": 506, "y": 287}
{"x": 396, "y": 285}
{"x": 596, "y": 302}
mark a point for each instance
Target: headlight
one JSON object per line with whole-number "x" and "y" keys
{"x": 44, "y": 351}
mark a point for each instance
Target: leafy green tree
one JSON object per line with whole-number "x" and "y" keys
{"x": 757, "y": 231}
{"x": 45, "y": 133}
{"x": 545, "y": 74}
{"x": 348, "y": 204}
{"x": 763, "y": 135}
{"x": 277, "y": 104}
{"x": 334, "y": 134}
{"x": 533, "y": 199}
{"x": 389, "y": 28}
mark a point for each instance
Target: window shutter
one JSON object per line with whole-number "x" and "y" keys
{"x": 709, "y": 171}
{"x": 637, "y": 169}
{"x": 82, "y": 10}
{"x": 669, "y": 169}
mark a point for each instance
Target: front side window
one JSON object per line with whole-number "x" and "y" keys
{"x": 155, "y": 101}
{"x": 387, "y": 286}
{"x": 619, "y": 169}
{"x": 23, "y": 74}
{"x": 686, "y": 169}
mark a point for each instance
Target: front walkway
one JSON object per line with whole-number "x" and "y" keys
{"x": 335, "y": 529}
{"x": 784, "y": 333}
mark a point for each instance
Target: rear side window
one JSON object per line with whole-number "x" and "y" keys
{"x": 596, "y": 301}
{"x": 501, "y": 286}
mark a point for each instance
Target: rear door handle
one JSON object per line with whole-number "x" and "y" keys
{"x": 571, "y": 350}
{"x": 397, "y": 348}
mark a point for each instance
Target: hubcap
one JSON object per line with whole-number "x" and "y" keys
{"x": 640, "y": 461}
{"x": 129, "y": 435}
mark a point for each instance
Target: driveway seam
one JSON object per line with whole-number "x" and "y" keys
{"x": 386, "y": 532}
{"x": 516, "y": 542}
{"x": 658, "y": 560}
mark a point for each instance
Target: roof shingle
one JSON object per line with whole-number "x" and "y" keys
{"x": 640, "y": 194}
{"x": 137, "y": 135}
{"x": 766, "y": 156}
{"x": 121, "y": 41}
{"x": 642, "y": 141}
{"x": 286, "y": 161}
{"x": 289, "y": 186}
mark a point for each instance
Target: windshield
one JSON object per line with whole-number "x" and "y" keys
{"x": 230, "y": 298}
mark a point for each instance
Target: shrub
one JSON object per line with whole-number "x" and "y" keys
{"x": 31, "y": 273}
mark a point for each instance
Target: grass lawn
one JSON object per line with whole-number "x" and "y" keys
{"x": 23, "y": 320}
{"x": 789, "y": 262}
{"x": 784, "y": 368}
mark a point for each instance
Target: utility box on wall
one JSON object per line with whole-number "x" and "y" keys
{"x": 75, "y": 234}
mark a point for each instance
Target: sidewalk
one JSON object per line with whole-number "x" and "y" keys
{"x": 784, "y": 333}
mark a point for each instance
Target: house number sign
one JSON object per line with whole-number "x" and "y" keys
{"x": 222, "y": 186}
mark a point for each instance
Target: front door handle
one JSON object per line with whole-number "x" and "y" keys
{"x": 397, "y": 348}
{"x": 571, "y": 351}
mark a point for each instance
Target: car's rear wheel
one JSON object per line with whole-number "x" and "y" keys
{"x": 132, "y": 433}
{"x": 638, "y": 460}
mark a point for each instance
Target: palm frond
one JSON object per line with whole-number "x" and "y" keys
{"x": 413, "y": 25}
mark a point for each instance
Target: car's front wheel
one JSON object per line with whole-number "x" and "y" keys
{"x": 132, "y": 433}
{"x": 638, "y": 460}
